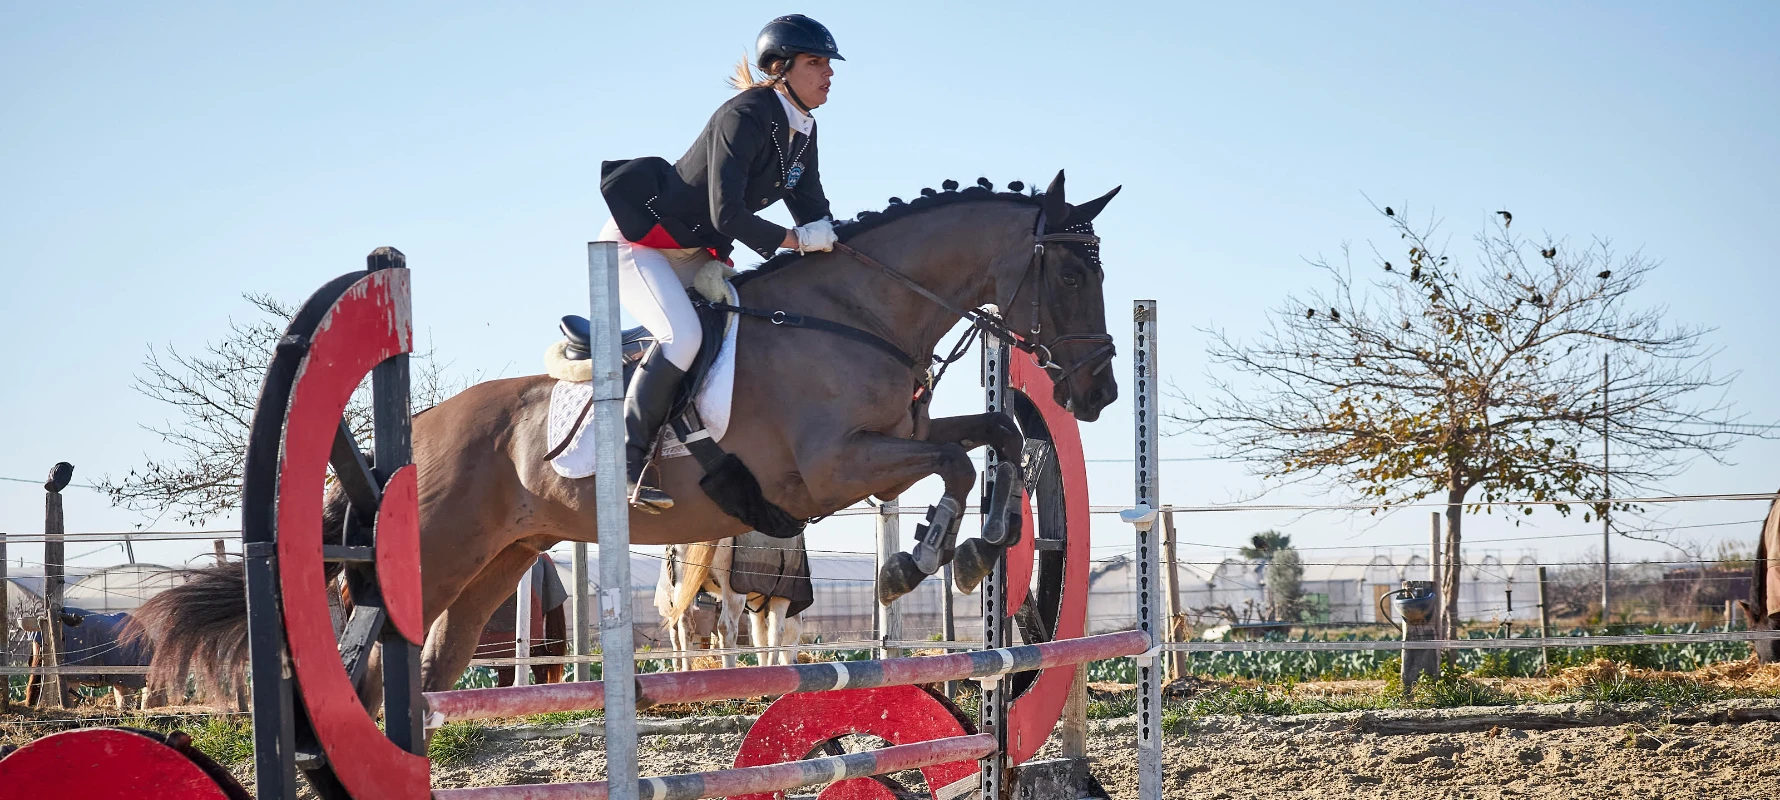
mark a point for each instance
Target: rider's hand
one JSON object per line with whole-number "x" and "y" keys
{"x": 818, "y": 235}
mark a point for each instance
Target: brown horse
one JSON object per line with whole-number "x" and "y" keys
{"x": 1763, "y": 606}
{"x": 822, "y": 421}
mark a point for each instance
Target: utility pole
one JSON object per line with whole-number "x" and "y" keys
{"x": 1607, "y": 506}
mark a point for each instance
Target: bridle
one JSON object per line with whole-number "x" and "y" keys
{"x": 994, "y": 324}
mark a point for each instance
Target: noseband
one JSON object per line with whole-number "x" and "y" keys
{"x": 994, "y": 324}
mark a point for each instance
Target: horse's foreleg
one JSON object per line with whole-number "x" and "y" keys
{"x": 776, "y": 630}
{"x": 868, "y": 462}
{"x": 451, "y": 642}
{"x": 974, "y": 559}
{"x": 729, "y": 624}
{"x": 757, "y": 627}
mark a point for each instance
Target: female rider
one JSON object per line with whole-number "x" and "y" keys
{"x": 669, "y": 219}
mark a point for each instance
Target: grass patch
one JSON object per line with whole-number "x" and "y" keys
{"x": 227, "y": 740}
{"x": 565, "y": 717}
{"x": 455, "y": 742}
{"x": 1453, "y": 689}
{"x": 1113, "y": 706}
{"x": 1622, "y": 689}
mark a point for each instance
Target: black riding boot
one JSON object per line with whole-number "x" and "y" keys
{"x": 646, "y": 406}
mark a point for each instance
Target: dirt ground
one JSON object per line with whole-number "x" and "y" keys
{"x": 1306, "y": 757}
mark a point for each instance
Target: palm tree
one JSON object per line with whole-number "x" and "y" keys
{"x": 1262, "y": 545}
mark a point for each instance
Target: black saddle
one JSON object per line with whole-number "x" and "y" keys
{"x": 637, "y": 341}
{"x": 577, "y": 331}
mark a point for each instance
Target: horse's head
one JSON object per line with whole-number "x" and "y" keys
{"x": 1065, "y": 300}
{"x": 1767, "y": 651}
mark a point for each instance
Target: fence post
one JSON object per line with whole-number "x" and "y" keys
{"x": 582, "y": 614}
{"x": 1146, "y": 432}
{"x": 53, "y": 582}
{"x": 948, "y": 624}
{"x": 522, "y": 626}
{"x": 216, "y": 546}
{"x": 617, "y": 639}
{"x": 886, "y": 617}
{"x": 1177, "y": 621}
{"x": 1436, "y": 569}
{"x": 1544, "y": 624}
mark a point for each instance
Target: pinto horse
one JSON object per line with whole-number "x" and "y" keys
{"x": 825, "y": 420}
{"x": 1763, "y": 606}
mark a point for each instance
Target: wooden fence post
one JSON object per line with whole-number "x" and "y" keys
{"x": 53, "y": 581}
{"x": 1177, "y": 621}
{"x": 1544, "y": 624}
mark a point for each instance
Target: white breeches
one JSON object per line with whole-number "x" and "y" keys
{"x": 652, "y": 287}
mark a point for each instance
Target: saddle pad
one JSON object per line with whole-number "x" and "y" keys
{"x": 570, "y": 397}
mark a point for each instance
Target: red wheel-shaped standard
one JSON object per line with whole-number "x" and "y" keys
{"x": 106, "y": 764}
{"x": 798, "y": 726}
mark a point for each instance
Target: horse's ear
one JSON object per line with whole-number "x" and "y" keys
{"x": 1055, "y": 207}
{"x": 1086, "y": 212}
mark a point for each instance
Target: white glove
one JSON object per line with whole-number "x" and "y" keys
{"x": 818, "y": 235}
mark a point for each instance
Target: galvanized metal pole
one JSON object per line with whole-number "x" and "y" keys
{"x": 581, "y": 614}
{"x": 617, "y": 645}
{"x": 1148, "y": 556}
{"x": 886, "y": 621}
{"x": 522, "y": 627}
{"x": 996, "y": 773}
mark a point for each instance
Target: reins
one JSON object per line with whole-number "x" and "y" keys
{"x": 994, "y": 323}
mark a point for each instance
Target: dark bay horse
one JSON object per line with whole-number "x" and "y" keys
{"x": 822, "y": 421}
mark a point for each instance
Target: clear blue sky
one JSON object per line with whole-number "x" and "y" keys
{"x": 156, "y": 162}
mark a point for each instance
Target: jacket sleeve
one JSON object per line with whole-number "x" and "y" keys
{"x": 735, "y": 141}
{"x": 808, "y": 202}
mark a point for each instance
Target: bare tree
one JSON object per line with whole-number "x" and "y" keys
{"x": 1424, "y": 378}
{"x": 214, "y": 393}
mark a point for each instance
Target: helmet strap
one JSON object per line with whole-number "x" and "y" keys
{"x": 784, "y": 79}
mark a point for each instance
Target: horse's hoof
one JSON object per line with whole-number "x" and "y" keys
{"x": 1001, "y": 526}
{"x": 898, "y": 577}
{"x": 972, "y": 563}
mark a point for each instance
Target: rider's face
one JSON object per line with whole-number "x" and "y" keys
{"x": 810, "y": 77}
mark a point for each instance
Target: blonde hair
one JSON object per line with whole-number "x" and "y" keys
{"x": 747, "y": 77}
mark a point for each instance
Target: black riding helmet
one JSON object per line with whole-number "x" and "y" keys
{"x": 790, "y": 35}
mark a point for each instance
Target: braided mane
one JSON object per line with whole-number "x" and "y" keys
{"x": 897, "y": 209}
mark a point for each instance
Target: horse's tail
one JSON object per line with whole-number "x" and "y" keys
{"x": 695, "y": 569}
{"x": 199, "y": 628}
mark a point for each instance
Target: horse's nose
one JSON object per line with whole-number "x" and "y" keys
{"x": 1102, "y": 396}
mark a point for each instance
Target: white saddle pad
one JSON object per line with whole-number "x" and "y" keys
{"x": 713, "y": 404}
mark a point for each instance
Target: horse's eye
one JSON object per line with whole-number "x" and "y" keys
{"x": 1071, "y": 282}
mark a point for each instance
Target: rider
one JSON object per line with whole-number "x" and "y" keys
{"x": 670, "y": 219}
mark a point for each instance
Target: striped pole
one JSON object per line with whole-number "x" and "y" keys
{"x": 752, "y": 780}
{"x": 729, "y": 684}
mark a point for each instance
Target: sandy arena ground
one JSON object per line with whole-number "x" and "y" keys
{"x": 1325, "y": 756}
